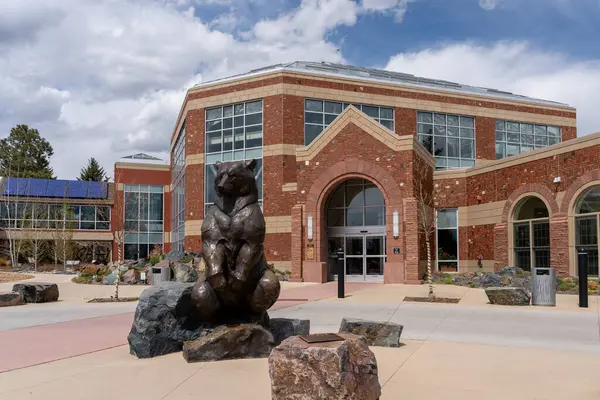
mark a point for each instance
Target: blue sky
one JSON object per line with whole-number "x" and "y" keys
{"x": 109, "y": 76}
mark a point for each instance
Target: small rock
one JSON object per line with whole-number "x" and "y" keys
{"x": 37, "y": 292}
{"x": 521, "y": 282}
{"x": 508, "y": 296}
{"x": 490, "y": 280}
{"x": 283, "y": 328}
{"x": 230, "y": 342}
{"x": 505, "y": 280}
{"x": 329, "y": 371}
{"x": 163, "y": 320}
{"x": 8, "y": 299}
{"x": 461, "y": 280}
{"x": 130, "y": 277}
{"x": 110, "y": 279}
{"x": 90, "y": 269}
{"x": 184, "y": 272}
{"x": 383, "y": 334}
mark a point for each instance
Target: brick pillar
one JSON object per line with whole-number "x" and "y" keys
{"x": 500, "y": 246}
{"x": 297, "y": 238}
{"x": 411, "y": 241}
{"x": 559, "y": 245}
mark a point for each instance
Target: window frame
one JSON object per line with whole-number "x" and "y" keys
{"x": 504, "y": 143}
{"x": 138, "y": 189}
{"x": 437, "y": 242}
{"x": 578, "y": 216}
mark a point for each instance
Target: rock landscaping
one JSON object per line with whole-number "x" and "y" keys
{"x": 283, "y": 328}
{"x": 382, "y": 334}
{"x": 508, "y": 296}
{"x": 37, "y": 292}
{"x": 8, "y": 299}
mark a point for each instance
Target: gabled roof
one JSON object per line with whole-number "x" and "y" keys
{"x": 381, "y": 76}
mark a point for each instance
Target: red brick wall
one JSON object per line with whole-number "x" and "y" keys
{"x": 405, "y": 120}
{"x": 568, "y": 133}
{"x": 278, "y": 246}
{"x": 485, "y": 138}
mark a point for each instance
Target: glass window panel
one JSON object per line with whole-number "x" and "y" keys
{"x": 424, "y": 117}
{"x": 102, "y": 213}
{"x": 238, "y": 121}
{"x": 554, "y": 131}
{"x": 254, "y": 107}
{"x": 371, "y": 111}
{"x": 541, "y": 140}
{"x": 335, "y": 217}
{"x": 156, "y": 207}
{"x": 523, "y": 259}
{"x": 387, "y": 113}
{"x": 354, "y": 266}
{"x": 214, "y": 125}
{"x": 211, "y": 158}
{"x": 228, "y": 123}
{"x": 214, "y": 113}
{"x": 526, "y": 148}
{"x": 329, "y": 118}
{"x": 466, "y": 132}
{"x": 453, "y": 120}
{"x": 552, "y": 140}
{"x": 311, "y": 132}
{"x": 375, "y": 246}
{"x": 467, "y": 148}
{"x": 239, "y": 155}
{"x": 453, "y": 147}
{"x": 441, "y": 162}
{"x": 440, "y": 119}
{"x": 228, "y": 111}
{"x": 88, "y": 213}
{"x": 253, "y": 137}
{"x": 527, "y": 139}
{"x": 424, "y": 128}
{"x": 453, "y": 131}
{"x": 102, "y": 225}
{"x": 526, "y": 128}
{"x": 211, "y": 174}
{"x": 522, "y": 238}
{"x": 467, "y": 163}
{"x": 447, "y": 244}
{"x": 541, "y": 234}
{"x": 468, "y": 122}
{"x": 254, "y": 119}
{"x": 253, "y": 153}
{"x": 388, "y": 124}
{"x": 427, "y": 142}
{"x": 313, "y": 118}
{"x": 374, "y": 265}
{"x": 130, "y": 251}
{"x": 512, "y": 126}
{"x": 454, "y": 163}
{"x": 440, "y": 130}
{"x": 313, "y": 105}
{"x": 513, "y": 137}
{"x": 354, "y": 246}
{"x": 213, "y": 142}
{"x": 238, "y": 109}
{"x": 373, "y": 196}
{"x": 332, "y": 107}
{"x": 354, "y": 217}
{"x": 500, "y": 137}
{"x": 447, "y": 218}
{"x": 512, "y": 149}
{"x": 374, "y": 216}
{"x": 540, "y": 130}
{"x": 500, "y": 125}
{"x": 439, "y": 146}
{"x": 228, "y": 140}
{"x": 586, "y": 234}
{"x": 354, "y": 196}
{"x": 589, "y": 202}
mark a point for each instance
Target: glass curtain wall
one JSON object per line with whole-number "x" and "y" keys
{"x": 178, "y": 192}
{"x": 143, "y": 220}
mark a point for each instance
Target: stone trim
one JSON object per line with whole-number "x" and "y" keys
{"x": 582, "y": 183}
{"x": 281, "y": 265}
{"x": 194, "y": 159}
{"x": 148, "y": 167}
{"x": 527, "y": 190}
{"x": 289, "y": 187}
{"x": 481, "y": 214}
{"x": 281, "y": 149}
{"x": 535, "y": 155}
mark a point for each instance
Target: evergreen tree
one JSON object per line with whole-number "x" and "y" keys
{"x": 25, "y": 154}
{"x": 93, "y": 172}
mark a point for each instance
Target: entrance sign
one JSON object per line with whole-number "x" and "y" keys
{"x": 396, "y": 250}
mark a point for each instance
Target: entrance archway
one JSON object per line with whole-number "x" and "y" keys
{"x": 355, "y": 222}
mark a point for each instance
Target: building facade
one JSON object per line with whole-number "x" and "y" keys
{"x": 350, "y": 157}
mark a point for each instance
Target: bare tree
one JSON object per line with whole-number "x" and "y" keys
{"x": 423, "y": 185}
{"x": 13, "y": 211}
{"x": 35, "y": 233}
{"x": 64, "y": 224}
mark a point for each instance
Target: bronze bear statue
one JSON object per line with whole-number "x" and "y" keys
{"x": 237, "y": 283}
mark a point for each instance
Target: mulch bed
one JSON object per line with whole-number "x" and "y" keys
{"x": 11, "y": 277}
{"x": 113, "y": 300}
{"x": 432, "y": 300}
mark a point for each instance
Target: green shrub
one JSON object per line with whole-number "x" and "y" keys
{"x": 82, "y": 279}
{"x": 446, "y": 280}
{"x": 154, "y": 260}
{"x": 186, "y": 259}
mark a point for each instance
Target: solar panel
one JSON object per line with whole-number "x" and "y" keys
{"x": 37, "y": 187}
{"x": 57, "y": 188}
{"x": 78, "y": 189}
{"x": 97, "y": 190}
{"x": 14, "y": 186}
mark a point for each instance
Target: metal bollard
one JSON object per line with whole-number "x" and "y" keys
{"x": 341, "y": 274}
{"x": 583, "y": 278}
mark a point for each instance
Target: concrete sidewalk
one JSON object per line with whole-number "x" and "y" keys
{"x": 417, "y": 370}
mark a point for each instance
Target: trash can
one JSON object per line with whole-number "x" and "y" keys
{"x": 160, "y": 274}
{"x": 543, "y": 287}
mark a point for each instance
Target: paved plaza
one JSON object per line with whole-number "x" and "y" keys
{"x": 470, "y": 350}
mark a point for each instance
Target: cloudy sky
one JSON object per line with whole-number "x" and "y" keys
{"x": 106, "y": 78}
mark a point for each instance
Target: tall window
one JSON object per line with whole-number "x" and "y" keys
{"x": 178, "y": 192}
{"x": 587, "y": 210}
{"x": 53, "y": 216}
{"x": 356, "y": 202}
{"x": 531, "y": 226}
{"x": 447, "y": 239}
{"x": 143, "y": 220}
{"x": 318, "y": 114}
{"x": 450, "y": 138}
{"x": 514, "y": 138}
{"x": 233, "y": 132}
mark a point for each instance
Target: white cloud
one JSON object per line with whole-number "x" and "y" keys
{"x": 395, "y": 7}
{"x": 516, "y": 67}
{"x": 489, "y": 4}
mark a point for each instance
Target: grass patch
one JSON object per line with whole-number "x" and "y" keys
{"x": 113, "y": 300}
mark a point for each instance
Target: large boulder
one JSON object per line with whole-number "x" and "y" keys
{"x": 131, "y": 277}
{"x": 383, "y": 334}
{"x": 8, "y": 299}
{"x": 175, "y": 255}
{"x": 508, "y": 296}
{"x": 184, "y": 272}
{"x": 490, "y": 280}
{"x": 163, "y": 320}
{"x": 332, "y": 370}
{"x": 283, "y": 328}
{"x": 230, "y": 342}
{"x": 37, "y": 292}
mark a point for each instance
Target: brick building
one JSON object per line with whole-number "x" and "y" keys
{"x": 343, "y": 162}
{"x": 352, "y": 158}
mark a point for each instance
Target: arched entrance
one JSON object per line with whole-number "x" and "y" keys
{"x": 531, "y": 224}
{"x": 355, "y": 222}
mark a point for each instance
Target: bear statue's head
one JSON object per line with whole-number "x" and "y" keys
{"x": 235, "y": 178}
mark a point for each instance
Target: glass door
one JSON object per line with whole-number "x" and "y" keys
{"x": 374, "y": 258}
{"x": 355, "y": 258}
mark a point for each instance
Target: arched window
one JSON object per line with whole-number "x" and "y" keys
{"x": 356, "y": 202}
{"x": 531, "y": 234}
{"x": 587, "y": 210}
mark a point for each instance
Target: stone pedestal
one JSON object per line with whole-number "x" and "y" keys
{"x": 37, "y": 292}
{"x": 332, "y": 370}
